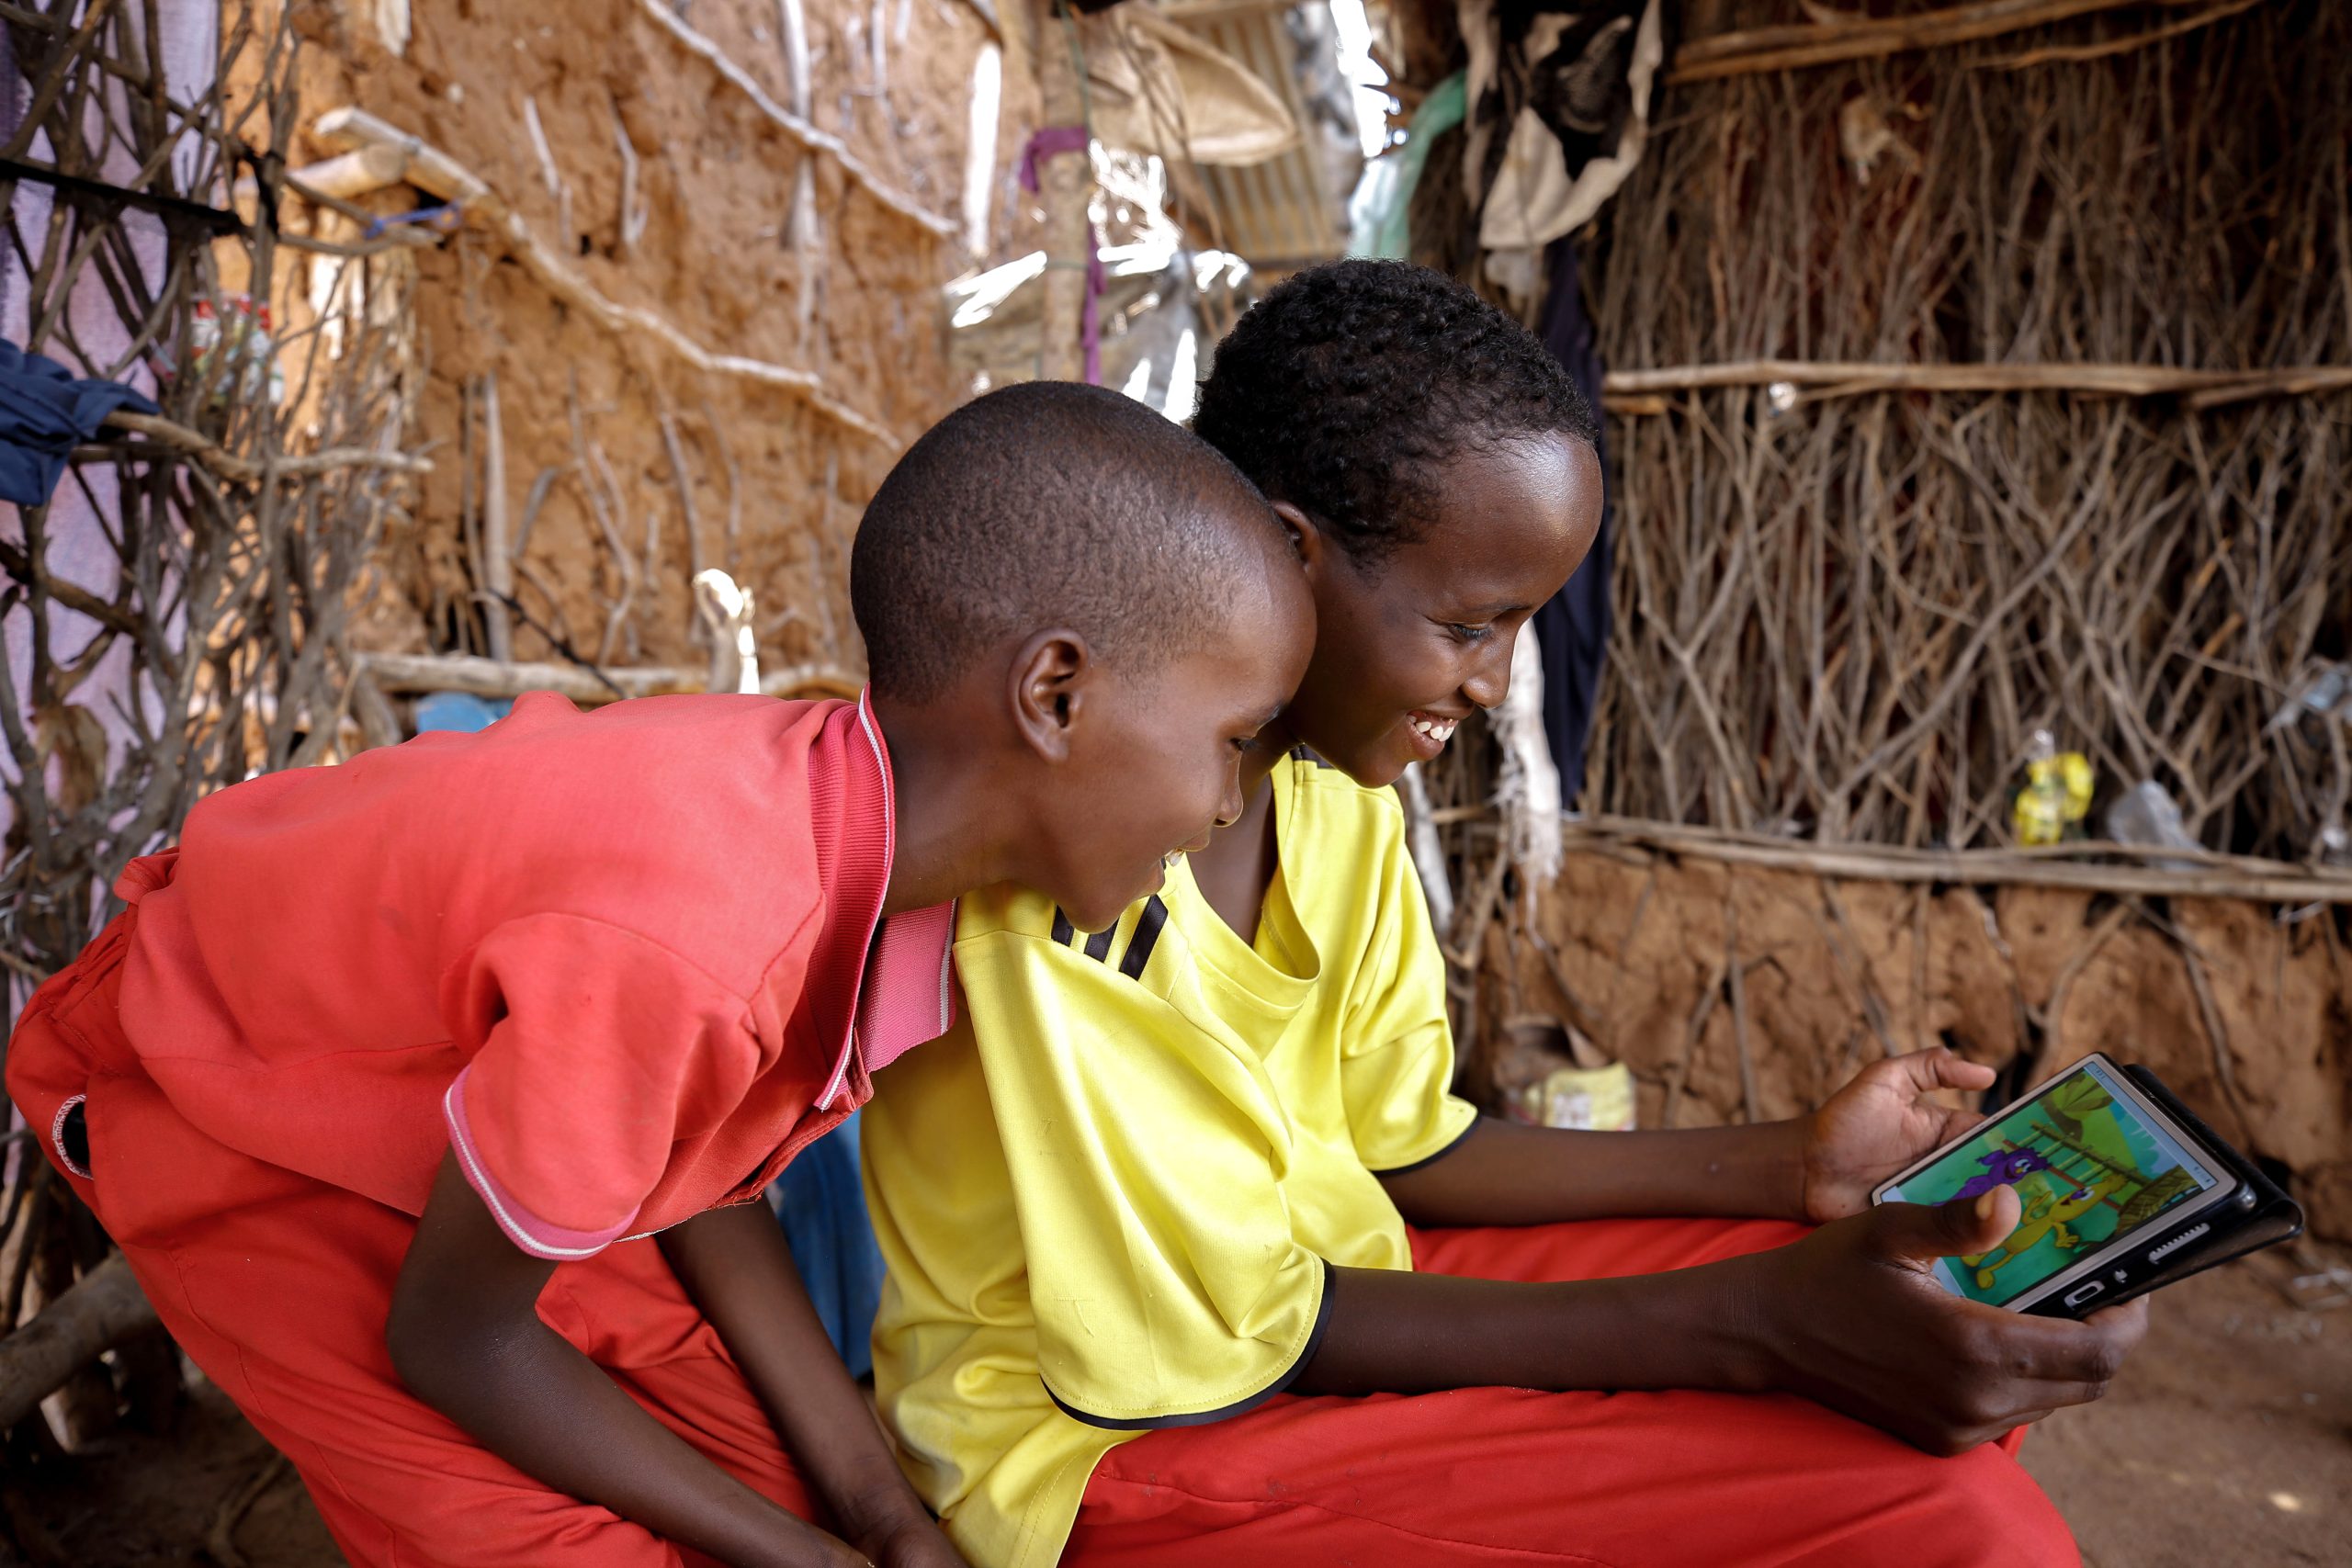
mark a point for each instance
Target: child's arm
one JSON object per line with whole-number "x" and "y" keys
{"x": 736, "y": 1267}
{"x": 1848, "y": 1317}
{"x": 1817, "y": 1167}
{"x": 465, "y": 1337}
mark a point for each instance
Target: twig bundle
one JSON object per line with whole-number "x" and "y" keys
{"x": 182, "y": 601}
{"x": 1841, "y": 618}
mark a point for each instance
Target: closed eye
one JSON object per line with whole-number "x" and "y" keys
{"x": 1468, "y": 633}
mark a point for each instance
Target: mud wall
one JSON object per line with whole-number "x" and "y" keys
{"x": 1638, "y": 953}
{"x": 773, "y": 486}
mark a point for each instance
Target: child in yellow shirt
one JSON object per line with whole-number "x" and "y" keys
{"x": 1198, "y": 1175}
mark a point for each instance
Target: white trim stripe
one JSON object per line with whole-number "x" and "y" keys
{"x": 480, "y": 1181}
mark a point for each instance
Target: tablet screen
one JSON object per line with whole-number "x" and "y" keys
{"x": 2087, "y": 1167}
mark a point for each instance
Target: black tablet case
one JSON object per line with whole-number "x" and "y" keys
{"x": 2259, "y": 1215}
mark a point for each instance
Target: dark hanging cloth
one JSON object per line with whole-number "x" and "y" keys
{"x": 44, "y": 415}
{"x": 1573, "y": 626}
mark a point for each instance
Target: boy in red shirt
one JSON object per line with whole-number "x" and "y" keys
{"x": 429, "y": 1096}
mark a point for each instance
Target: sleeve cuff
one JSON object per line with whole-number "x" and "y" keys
{"x": 1204, "y": 1417}
{"x": 1447, "y": 1147}
{"x": 537, "y": 1237}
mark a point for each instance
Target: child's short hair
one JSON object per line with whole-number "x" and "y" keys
{"x": 1048, "y": 503}
{"x": 1347, "y": 387}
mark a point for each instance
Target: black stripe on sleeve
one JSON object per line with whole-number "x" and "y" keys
{"x": 1063, "y": 930}
{"x": 1139, "y": 946}
{"x": 1452, "y": 1144}
{"x": 1098, "y": 947}
{"x": 1239, "y": 1406}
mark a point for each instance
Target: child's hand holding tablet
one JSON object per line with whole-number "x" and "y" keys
{"x": 2120, "y": 1189}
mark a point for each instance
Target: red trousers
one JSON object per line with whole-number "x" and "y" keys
{"x": 1491, "y": 1476}
{"x": 279, "y": 1287}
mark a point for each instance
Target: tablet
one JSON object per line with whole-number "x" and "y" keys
{"x": 2097, "y": 1166}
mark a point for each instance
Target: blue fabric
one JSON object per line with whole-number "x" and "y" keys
{"x": 459, "y": 713}
{"x": 44, "y": 415}
{"x": 821, "y": 1202}
{"x": 1573, "y": 627}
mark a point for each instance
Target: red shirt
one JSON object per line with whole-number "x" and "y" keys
{"x": 613, "y": 959}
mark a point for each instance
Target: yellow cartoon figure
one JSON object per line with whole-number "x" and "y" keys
{"x": 2046, "y": 1214}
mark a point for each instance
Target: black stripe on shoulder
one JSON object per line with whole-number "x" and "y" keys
{"x": 1139, "y": 946}
{"x": 1098, "y": 947}
{"x": 1063, "y": 930}
{"x": 1238, "y": 1408}
{"x": 1302, "y": 754}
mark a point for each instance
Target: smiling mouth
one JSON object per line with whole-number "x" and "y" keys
{"x": 1431, "y": 726}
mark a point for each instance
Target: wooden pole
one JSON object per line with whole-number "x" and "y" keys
{"x": 104, "y": 1308}
{"x": 1065, "y": 183}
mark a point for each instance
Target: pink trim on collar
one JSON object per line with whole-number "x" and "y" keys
{"x": 904, "y": 993}
{"x": 909, "y": 993}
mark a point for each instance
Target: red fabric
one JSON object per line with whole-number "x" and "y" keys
{"x": 613, "y": 958}
{"x": 1495, "y": 1476}
{"x": 278, "y": 1286}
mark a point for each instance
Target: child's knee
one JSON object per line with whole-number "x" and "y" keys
{"x": 1986, "y": 1498}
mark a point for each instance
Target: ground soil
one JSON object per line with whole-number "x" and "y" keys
{"x": 2226, "y": 1444}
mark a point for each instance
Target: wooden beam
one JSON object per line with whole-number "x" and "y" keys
{"x": 492, "y": 678}
{"x": 1796, "y": 45}
{"x": 104, "y": 1308}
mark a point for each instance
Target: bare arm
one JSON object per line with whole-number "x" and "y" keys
{"x": 465, "y": 1336}
{"x": 1503, "y": 1174}
{"x": 1849, "y": 1318}
{"x": 734, "y": 1263}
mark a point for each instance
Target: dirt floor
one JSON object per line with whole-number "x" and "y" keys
{"x": 2226, "y": 1444}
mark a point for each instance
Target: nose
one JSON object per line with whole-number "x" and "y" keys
{"x": 1489, "y": 683}
{"x": 1229, "y": 806}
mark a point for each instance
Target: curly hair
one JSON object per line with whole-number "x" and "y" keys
{"x": 1350, "y": 387}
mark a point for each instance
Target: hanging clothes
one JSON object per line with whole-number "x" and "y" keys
{"x": 1573, "y": 625}
{"x": 1565, "y": 89}
{"x": 45, "y": 412}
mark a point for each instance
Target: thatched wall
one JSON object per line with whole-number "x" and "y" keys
{"x": 1841, "y": 611}
{"x": 1844, "y": 620}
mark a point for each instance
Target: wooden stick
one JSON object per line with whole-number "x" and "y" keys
{"x": 1978, "y": 868}
{"x": 104, "y": 1308}
{"x": 1736, "y": 978}
{"x": 794, "y": 127}
{"x": 489, "y": 678}
{"x": 220, "y": 460}
{"x": 436, "y": 171}
{"x": 2116, "y": 46}
{"x": 1621, "y": 389}
{"x": 1796, "y": 45}
{"x": 498, "y": 564}
{"x": 220, "y": 1541}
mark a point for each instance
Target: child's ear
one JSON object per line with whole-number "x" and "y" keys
{"x": 1306, "y": 539}
{"x": 1051, "y": 675}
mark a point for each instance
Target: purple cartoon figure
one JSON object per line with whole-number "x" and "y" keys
{"x": 2003, "y": 1167}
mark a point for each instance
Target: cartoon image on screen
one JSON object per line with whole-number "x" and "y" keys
{"x": 2087, "y": 1169}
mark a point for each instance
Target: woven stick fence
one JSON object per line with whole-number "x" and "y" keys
{"x": 176, "y": 612}
{"x": 1954, "y": 393}
{"x": 1847, "y": 601}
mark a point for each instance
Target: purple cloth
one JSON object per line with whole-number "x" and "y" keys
{"x": 1052, "y": 142}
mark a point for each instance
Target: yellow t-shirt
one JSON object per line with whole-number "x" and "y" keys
{"x": 1108, "y": 1198}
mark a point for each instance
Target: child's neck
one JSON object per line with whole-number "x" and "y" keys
{"x": 1239, "y": 865}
